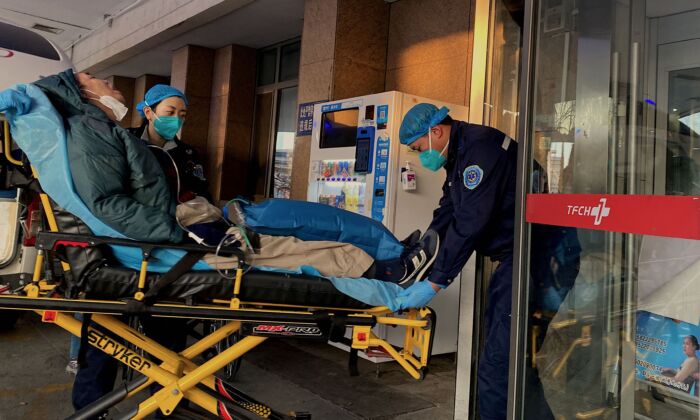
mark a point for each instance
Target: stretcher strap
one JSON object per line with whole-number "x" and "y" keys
{"x": 335, "y": 325}
{"x": 82, "y": 350}
{"x": 135, "y": 307}
{"x": 182, "y": 266}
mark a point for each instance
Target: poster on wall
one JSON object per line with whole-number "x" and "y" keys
{"x": 305, "y": 120}
{"x": 667, "y": 353}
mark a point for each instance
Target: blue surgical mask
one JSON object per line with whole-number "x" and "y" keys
{"x": 432, "y": 159}
{"x": 167, "y": 127}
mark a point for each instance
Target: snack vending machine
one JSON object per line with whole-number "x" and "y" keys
{"x": 357, "y": 163}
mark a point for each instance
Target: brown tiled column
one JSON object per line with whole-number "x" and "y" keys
{"x": 429, "y": 51}
{"x": 362, "y": 30}
{"x": 343, "y": 54}
{"x": 315, "y": 77}
{"x": 231, "y": 121}
{"x": 141, "y": 86}
{"x": 191, "y": 72}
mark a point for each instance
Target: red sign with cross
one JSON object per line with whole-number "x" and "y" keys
{"x": 670, "y": 216}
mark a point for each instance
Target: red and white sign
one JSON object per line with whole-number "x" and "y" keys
{"x": 670, "y": 216}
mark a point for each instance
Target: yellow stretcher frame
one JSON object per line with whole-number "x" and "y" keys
{"x": 182, "y": 378}
{"x": 179, "y": 376}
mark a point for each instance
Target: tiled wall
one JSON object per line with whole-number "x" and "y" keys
{"x": 428, "y": 52}
{"x": 231, "y": 121}
{"x": 192, "y": 69}
{"x": 358, "y": 47}
{"x": 362, "y": 29}
{"x": 239, "y": 121}
{"x": 315, "y": 76}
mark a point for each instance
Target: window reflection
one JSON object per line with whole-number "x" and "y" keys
{"x": 284, "y": 143}
{"x": 682, "y": 145}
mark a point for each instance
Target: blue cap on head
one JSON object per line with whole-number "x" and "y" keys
{"x": 156, "y": 94}
{"x": 418, "y": 120}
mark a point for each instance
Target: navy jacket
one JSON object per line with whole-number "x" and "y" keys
{"x": 477, "y": 208}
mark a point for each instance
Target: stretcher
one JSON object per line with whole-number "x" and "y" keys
{"x": 257, "y": 305}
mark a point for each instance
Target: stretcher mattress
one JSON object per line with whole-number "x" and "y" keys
{"x": 257, "y": 286}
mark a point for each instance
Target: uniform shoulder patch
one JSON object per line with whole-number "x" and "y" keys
{"x": 473, "y": 175}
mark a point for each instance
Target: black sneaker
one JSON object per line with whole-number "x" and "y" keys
{"x": 420, "y": 258}
{"x": 411, "y": 239}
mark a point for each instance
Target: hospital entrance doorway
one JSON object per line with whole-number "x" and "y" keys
{"x": 609, "y": 309}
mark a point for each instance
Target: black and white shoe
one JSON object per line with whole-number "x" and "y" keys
{"x": 411, "y": 239}
{"x": 420, "y": 258}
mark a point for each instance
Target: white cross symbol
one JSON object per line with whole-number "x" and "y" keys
{"x": 600, "y": 211}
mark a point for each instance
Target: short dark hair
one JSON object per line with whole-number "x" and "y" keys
{"x": 694, "y": 341}
{"x": 446, "y": 121}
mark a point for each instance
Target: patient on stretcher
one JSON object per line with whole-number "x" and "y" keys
{"x": 120, "y": 181}
{"x": 289, "y": 233}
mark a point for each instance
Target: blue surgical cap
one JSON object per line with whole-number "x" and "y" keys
{"x": 418, "y": 120}
{"x": 156, "y": 94}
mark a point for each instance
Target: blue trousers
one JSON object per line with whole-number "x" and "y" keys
{"x": 96, "y": 378}
{"x": 492, "y": 374}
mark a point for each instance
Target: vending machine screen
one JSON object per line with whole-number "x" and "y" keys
{"x": 339, "y": 128}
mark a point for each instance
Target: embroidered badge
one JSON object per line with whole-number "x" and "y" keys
{"x": 198, "y": 172}
{"x": 472, "y": 176}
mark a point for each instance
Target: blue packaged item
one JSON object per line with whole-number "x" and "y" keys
{"x": 318, "y": 222}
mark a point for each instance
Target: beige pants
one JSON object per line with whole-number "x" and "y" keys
{"x": 333, "y": 259}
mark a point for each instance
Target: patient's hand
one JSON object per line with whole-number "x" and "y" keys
{"x": 15, "y": 102}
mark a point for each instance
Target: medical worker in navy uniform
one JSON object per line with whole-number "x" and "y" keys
{"x": 476, "y": 213}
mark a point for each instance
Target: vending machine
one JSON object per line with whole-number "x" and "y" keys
{"x": 357, "y": 163}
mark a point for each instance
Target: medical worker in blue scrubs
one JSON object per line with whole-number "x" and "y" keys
{"x": 476, "y": 213}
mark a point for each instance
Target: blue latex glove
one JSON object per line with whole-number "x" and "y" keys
{"x": 416, "y": 296}
{"x": 15, "y": 102}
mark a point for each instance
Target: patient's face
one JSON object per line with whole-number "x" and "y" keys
{"x": 98, "y": 87}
